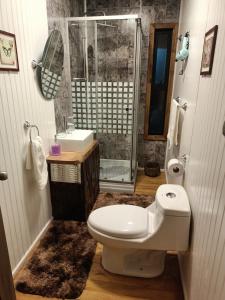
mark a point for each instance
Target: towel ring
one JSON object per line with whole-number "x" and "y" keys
{"x": 33, "y": 126}
{"x": 27, "y": 125}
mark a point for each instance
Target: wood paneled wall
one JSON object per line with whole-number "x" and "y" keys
{"x": 203, "y": 267}
{"x": 25, "y": 210}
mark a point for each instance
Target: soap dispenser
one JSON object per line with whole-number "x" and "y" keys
{"x": 55, "y": 148}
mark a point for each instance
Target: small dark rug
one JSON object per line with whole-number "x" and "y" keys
{"x": 60, "y": 265}
{"x": 105, "y": 199}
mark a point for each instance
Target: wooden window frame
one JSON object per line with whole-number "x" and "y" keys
{"x": 153, "y": 27}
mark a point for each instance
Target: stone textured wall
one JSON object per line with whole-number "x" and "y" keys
{"x": 115, "y": 146}
{"x": 58, "y": 8}
{"x": 150, "y": 11}
{"x": 57, "y": 11}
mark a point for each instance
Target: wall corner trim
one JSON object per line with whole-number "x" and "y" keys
{"x": 182, "y": 278}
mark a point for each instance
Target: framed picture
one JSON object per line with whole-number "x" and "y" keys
{"x": 8, "y": 52}
{"x": 208, "y": 51}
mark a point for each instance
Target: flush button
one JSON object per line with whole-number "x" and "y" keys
{"x": 170, "y": 195}
{"x": 176, "y": 170}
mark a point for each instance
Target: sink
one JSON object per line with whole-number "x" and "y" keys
{"x": 76, "y": 140}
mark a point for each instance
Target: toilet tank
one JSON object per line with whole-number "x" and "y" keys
{"x": 172, "y": 202}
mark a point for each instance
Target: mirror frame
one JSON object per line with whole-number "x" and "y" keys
{"x": 40, "y": 64}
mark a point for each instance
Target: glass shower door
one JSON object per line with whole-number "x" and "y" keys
{"x": 115, "y": 82}
{"x": 102, "y": 66}
{"x": 82, "y": 76}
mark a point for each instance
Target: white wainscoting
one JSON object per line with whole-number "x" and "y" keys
{"x": 25, "y": 210}
{"x": 203, "y": 267}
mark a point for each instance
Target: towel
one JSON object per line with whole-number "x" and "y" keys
{"x": 173, "y": 130}
{"x": 39, "y": 165}
{"x": 29, "y": 158}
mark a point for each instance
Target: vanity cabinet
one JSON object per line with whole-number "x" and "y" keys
{"x": 74, "y": 183}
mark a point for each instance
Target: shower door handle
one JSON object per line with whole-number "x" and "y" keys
{"x": 3, "y": 176}
{"x": 84, "y": 52}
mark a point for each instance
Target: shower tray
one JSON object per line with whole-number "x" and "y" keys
{"x": 115, "y": 176}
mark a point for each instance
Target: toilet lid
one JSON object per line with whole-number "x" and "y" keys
{"x": 123, "y": 221}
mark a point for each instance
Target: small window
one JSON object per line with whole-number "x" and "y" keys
{"x": 161, "y": 61}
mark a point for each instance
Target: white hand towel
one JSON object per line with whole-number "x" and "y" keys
{"x": 39, "y": 163}
{"x": 29, "y": 157}
{"x": 173, "y": 124}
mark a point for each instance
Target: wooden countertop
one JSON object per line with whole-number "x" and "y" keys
{"x": 72, "y": 157}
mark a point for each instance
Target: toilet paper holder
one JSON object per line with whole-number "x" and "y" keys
{"x": 183, "y": 158}
{"x": 176, "y": 166}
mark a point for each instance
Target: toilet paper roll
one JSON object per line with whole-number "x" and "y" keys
{"x": 175, "y": 167}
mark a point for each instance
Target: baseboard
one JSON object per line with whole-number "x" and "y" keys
{"x": 182, "y": 278}
{"x": 32, "y": 246}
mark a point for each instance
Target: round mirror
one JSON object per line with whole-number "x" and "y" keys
{"x": 51, "y": 66}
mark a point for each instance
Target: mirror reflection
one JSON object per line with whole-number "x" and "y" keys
{"x": 50, "y": 73}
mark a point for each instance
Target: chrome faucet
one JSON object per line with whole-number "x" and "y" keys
{"x": 65, "y": 124}
{"x": 68, "y": 124}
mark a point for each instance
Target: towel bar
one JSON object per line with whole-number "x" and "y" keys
{"x": 182, "y": 105}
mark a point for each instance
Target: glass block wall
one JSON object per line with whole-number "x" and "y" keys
{"x": 105, "y": 107}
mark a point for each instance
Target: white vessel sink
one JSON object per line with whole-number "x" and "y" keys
{"x": 77, "y": 140}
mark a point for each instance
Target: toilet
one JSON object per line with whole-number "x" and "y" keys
{"x": 135, "y": 239}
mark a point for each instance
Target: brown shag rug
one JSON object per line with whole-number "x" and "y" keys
{"x": 60, "y": 265}
{"x": 105, "y": 199}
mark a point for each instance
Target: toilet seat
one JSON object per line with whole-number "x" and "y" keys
{"x": 121, "y": 221}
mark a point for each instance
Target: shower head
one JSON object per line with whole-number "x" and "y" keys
{"x": 107, "y": 25}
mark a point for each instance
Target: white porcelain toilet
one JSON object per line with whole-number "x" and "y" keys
{"x": 135, "y": 239}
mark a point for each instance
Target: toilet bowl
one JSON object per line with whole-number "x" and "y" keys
{"x": 135, "y": 239}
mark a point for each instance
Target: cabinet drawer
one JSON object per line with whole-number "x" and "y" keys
{"x": 67, "y": 173}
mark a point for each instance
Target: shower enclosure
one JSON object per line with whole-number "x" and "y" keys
{"x": 104, "y": 59}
